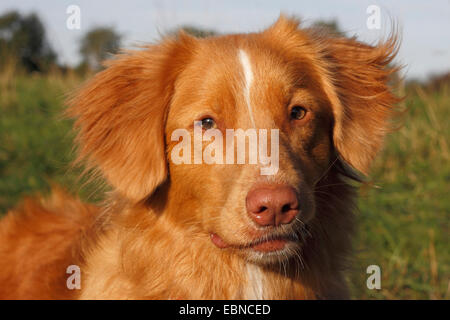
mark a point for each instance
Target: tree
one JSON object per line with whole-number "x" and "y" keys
{"x": 25, "y": 38}
{"x": 97, "y": 45}
{"x": 197, "y": 32}
{"x": 331, "y": 27}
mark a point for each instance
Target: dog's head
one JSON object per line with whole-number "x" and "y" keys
{"x": 237, "y": 130}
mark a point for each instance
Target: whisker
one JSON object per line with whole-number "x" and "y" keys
{"x": 326, "y": 171}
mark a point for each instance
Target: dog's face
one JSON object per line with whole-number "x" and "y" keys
{"x": 313, "y": 99}
{"x": 233, "y": 85}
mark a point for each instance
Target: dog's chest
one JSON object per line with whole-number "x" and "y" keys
{"x": 255, "y": 287}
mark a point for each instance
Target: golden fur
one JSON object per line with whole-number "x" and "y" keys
{"x": 151, "y": 239}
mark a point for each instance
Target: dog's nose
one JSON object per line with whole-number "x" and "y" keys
{"x": 272, "y": 206}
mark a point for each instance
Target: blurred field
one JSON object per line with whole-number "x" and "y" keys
{"x": 404, "y": 214}
{"x": 35, "y": 140}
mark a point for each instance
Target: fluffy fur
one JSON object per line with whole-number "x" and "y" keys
{"x": 151, "y": 238}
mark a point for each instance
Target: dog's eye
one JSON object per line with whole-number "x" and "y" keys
{"x": 298, "y": 113}
{"x": 208, "y": 123}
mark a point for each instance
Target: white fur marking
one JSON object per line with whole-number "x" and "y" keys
{"x": 248, "y": 74}
{"x": 255, "y": 286}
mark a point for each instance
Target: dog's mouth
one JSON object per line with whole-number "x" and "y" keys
{"x": 264, "y": 245}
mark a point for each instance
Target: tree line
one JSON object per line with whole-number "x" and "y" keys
{"x": 24, "y": 39}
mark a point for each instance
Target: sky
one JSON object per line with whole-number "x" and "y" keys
{"x": 425, "y": 25}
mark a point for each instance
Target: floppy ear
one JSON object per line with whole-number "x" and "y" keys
{"x": 362, "y": 101}
{"x": 354, "y": 77}
{"x": 120, "y": 116}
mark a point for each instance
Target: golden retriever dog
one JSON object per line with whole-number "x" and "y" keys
{"x": 183, "y": 223}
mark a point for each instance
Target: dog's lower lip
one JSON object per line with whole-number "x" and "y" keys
{"x": 269, "y": 245}
{"x": 261, "y": 246}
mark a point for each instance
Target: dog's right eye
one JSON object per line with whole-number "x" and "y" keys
{"x": 208, "y": 123}
{"x": 298, "y": 113}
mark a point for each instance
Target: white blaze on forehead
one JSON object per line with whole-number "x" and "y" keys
{"x": 248, "y": 74}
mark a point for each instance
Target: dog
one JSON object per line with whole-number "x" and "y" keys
{"x": 212, "y": 230}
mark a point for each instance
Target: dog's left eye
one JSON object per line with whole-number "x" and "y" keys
{"x": 298, "y": 113}
{"x": 208, "y": 123}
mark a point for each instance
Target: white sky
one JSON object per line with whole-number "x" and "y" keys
{"x": 426, "y": 24}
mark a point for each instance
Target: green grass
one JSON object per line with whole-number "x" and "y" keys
{"x": 403, "y": 216}
{"x": 35, "y": 142}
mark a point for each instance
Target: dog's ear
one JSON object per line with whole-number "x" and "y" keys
{"x": 357, "y": 84}
{"x": 355, "y": 79}
{"x": 120, "y": 116}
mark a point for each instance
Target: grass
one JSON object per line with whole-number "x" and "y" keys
{"x": 35, "y": 142}
{"x": 403, "y": 216}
